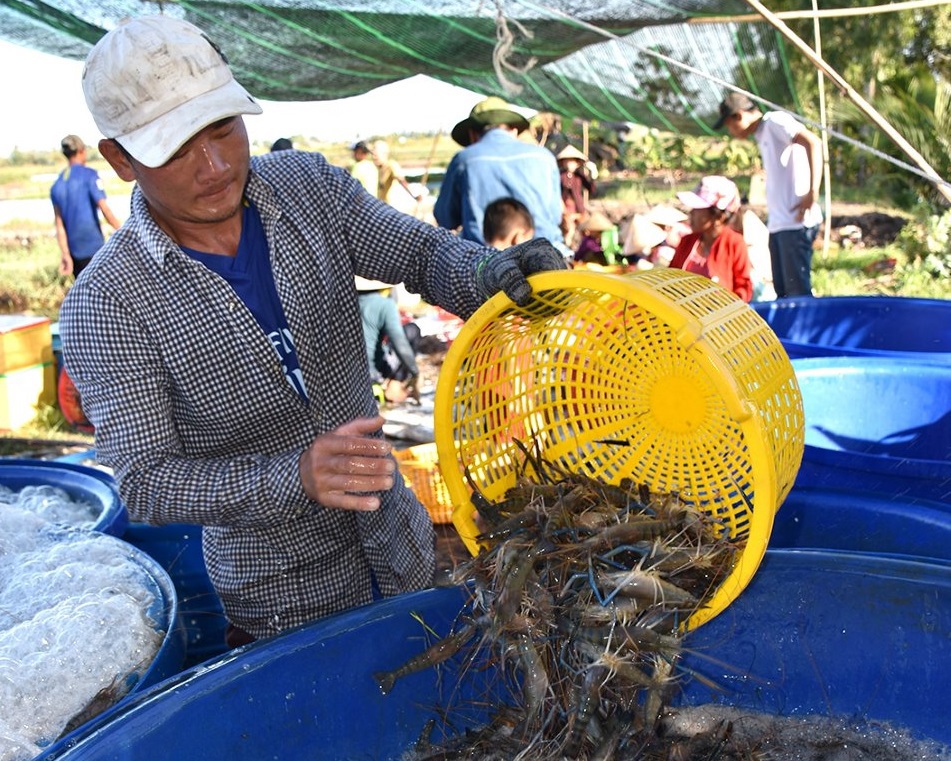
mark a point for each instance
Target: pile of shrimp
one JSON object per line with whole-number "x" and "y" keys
{"x": 581, "y": 592}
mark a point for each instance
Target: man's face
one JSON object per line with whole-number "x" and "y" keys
{"x": 740, "y": 125}
{"x": 203, "y": 183}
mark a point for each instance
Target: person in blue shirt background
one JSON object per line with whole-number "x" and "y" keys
{"x": 78, "y": 197}
{"x": 495, "y": 163}
{"x": 391, "y": 353}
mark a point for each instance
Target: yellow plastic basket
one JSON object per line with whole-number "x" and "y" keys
{"x": 660, "y": 376}
{"x": 420, "y": 468}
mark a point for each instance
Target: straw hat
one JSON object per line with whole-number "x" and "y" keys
{"x": 642, "y": 235}
{"x": 597, "y": 223}
{"x": 363, "y": 285}
{"x": 492, "y": 111}
{"x": 570, "y": 152}
{"x": 665, "y": 216}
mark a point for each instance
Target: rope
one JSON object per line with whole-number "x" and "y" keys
{"x": 505, "y": 42}
{"x": 826, "y": 170}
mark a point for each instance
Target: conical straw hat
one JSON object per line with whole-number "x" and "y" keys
{"x": 642, "y": 235}
{"x": 570, "y": 152}
{"x": 597, "y": 223}
{"x": 665, "y": 216}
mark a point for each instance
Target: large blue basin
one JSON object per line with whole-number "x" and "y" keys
{"x": 162, "y": 613}
{"x": 877, "y": 425}
{"x": 862, "y": 522}
{"x": 842, "y": 634}
{"x": 81, "y": 483}
{"x": 888, "y": 326}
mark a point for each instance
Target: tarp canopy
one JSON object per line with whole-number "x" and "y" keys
{"x": 641, "y": 61}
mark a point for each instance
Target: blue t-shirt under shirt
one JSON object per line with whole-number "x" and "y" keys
{"x": 249, "y": 274}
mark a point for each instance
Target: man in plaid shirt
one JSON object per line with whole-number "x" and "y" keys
{"x": 216, "y": 340}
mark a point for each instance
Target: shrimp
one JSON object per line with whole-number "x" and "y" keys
{"x": 534, "y": 676}
{"x": 648, "y": 587}
{"x": 628, "y": 533}
{"x": 617, "y": 666}
{"x": 437, "y": 653}
{"x": 588, "y": 701}
{"x": 515, "y": 578}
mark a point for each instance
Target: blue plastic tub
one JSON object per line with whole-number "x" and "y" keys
{"x": 177, "y": 548}
{"x": 861, "y": 522}
{"x": 877, "y": 425}
{"x": 815, "y": 632}
{"x": 162, "y": 612}
{"x": 887, "y": 326}
{"x": 81, "y": 483}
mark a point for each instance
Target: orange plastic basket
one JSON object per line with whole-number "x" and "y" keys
{"x": 660, "y": 376}
{"x": 420, "y": 468}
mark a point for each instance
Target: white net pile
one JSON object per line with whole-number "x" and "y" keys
{"x": 75, "y": 631}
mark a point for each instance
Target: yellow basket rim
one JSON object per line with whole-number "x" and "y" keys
{"x": 689, "y": 332}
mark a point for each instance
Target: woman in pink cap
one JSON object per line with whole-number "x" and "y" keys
{"x": 713, "y": 248}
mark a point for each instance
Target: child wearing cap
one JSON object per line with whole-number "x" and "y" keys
{"x": 713, "y": 249}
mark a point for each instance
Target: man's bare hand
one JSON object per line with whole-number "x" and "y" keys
{"x": 806, "y": 202}
{"x": 342, "y": 469}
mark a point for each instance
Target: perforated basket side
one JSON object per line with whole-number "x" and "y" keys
{"x": 659, "y": 377}
{"x": 753, "y": 355}
{"x": 420, "y": 468}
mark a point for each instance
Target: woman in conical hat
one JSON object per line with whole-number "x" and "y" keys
{"x": 592, "y": 249}
{"x": 577, "y": 185}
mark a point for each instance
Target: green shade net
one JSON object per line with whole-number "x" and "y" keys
{"x": 641, "y": 62}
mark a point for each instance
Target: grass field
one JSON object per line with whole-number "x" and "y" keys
{"x": 33, "y": 180}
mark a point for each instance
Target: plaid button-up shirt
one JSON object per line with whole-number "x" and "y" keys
{"x": 195, "y": 416}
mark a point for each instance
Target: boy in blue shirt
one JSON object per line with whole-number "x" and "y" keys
{"x": 78, "y": 197}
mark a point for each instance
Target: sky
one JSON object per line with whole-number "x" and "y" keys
{"x": 46, "y": 102}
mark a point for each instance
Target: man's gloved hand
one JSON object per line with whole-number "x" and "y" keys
{"x": 507, "y": 269}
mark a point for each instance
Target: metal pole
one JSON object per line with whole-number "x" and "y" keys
{"x": 826, "y": 173}
{"x": 854, "y": 96}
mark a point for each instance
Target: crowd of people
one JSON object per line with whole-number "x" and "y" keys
{"x": 496, "y": 162}
{"x": 227, "y": 341}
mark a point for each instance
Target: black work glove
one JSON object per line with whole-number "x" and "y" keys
{"x": 506, "y": 270}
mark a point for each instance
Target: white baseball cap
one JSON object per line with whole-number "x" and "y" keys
{"x": 713, "y": 192}
{"x": 153, "y": 82}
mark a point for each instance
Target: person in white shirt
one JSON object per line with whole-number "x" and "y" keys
{"x": 792, "y": 159}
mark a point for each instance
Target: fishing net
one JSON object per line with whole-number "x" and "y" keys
{"x": 656, "y": 64}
